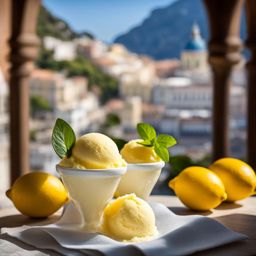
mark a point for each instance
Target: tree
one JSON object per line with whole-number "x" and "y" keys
{"x": 39, "y": 104}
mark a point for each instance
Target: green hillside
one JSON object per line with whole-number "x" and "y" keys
{"x": 49, "y": 25}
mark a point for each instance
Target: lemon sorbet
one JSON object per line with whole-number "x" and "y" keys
{"x": 94, "y": 151}
{"x": 129, "y": 218}
{"x": 133, "y": 152}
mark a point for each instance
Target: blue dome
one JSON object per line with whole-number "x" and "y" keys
{"x": 196, "y": 45}
{"x": 196, "y": 42}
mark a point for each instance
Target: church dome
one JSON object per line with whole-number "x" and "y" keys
{"x": 196, "y": 43}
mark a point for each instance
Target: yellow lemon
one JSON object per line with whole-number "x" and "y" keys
{"x": 38, "y": 194}
{"x": 198, "y": 188}
{"x": 238, "y": 177}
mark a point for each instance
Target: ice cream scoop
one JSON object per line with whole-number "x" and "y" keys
{"x": 143, "y": 169}
{"x": 91, "y": 175}
{"x": 129, "y": 218}
{"x": 94, "y": 151}
{"x": 135, "y": 153}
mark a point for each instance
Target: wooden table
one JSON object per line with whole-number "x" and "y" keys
{"x": 240, "y": 217}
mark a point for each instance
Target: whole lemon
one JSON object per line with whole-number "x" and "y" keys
{"x": 238, "y": 177}
{"x": 198, "y": 188}
{"x": 37, "y": 194}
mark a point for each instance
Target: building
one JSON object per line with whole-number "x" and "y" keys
{"x": 135, "y": 73}
{"x": 194, "y": 56}
{"x": 139, "y": 83}
{"x": 4, "y": 106}
{"x": 4, "y": 134}
{"x": 182, "y": 93}
{"x": 186, "y": 123}
{"x": 62, "y": 50}
{"x": 166, "y": 68}
{"x": 187, "y": 98}
{"x": 91, "y": 49}
{"x": 132, "y": 113}
{"x": 129, "y": 111}
{"x": 68, "y": 98}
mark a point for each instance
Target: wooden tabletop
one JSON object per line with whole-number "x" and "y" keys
{"x": 240, "y": 217}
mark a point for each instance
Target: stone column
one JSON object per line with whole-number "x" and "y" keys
{"x": 224, "y": 52}
{"x": 5, "y": 25}
{"x": 24, "y": 44}
{"x": 251, "y": 70}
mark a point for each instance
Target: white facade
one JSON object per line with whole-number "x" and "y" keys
{"x": 69, "y": 98}
{"x": 183, "y": 93}
{"x": 4, "y": 135}
{"x": 62, "y": 50}
{"x": 43, "y": 158}
{"x": 79, "y": 116}
{"x": 91, "y": 49}
{"x": 194, "y": 60}
{"x": 131, "y": 113}
{"x": 56, "y": 89}
{"x": 139, "y": 82}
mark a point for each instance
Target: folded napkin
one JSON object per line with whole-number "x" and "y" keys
{"x": 178, "y": 235}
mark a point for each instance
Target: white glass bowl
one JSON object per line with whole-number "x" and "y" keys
{"x": 139, "y": 179}
{"x": 91, "y": 191}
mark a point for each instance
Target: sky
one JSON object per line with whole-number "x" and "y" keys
{"x": 105, "y": 19}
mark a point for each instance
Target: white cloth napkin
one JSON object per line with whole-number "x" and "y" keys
{"x": 178, "y": 235}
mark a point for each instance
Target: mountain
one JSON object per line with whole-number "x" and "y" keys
{"x": 50, "y": 25}
{"x": 166, "y": 31}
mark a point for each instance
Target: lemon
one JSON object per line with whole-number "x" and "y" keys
{"x": 238, "y": 177}
{"x": 38, "y": 194}
{"x": 198, "y": 188}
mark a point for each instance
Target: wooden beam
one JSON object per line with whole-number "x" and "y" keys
{"x": 24, "y": 44}
{"x": 251, "y": 71}
{"x": 224, "y": 52}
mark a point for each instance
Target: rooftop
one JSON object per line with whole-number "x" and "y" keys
{"x": 175, "y": 82}
{"x": 43, "y": 74}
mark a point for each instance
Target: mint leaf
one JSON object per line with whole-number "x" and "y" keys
{"x": 162, "y": 152}
{"x": 160, "y": 143}
{"x": 146, "y": 143}
{"x": 119, "y": 142}
{"x": 146, "y": 131}
{"x": 166, "y": 140}
{"x": 63, "y": 138}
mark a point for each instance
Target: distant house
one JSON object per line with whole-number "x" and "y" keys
{"x": 62, "y": 50}
{"x": 4, "y": 132}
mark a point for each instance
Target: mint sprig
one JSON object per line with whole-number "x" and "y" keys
{"x": 146, "y": 131}
{"x": 161, "y": 143}
{"x": 63, "y": 138}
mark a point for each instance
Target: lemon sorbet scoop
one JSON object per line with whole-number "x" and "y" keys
{"x": 94, "y": 151}
{"x": 135, "y": 153}
{"x": 129, "y": 218}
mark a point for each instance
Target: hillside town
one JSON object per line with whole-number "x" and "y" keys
{"x": 174, "y": 95}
